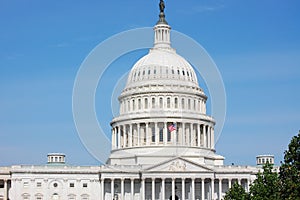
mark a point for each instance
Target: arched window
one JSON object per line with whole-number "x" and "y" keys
{"x": 182, "y": 103}
{"x": 55, "y": 196}
{"x": 176, "y": 102}
{"x": 168, "y": 102}
{"x": 189, "y": 104}
{"x": 160, "y": 102}
{"x": 146, "y": 103}
{"x": 153, "y": 102}
{"x": 133, "y": 105}
{"x": 26, "y": 196}
{"x": 71, "y": 197}
{"x": 139, "y": 104}
{"x": 39, "y": 196}
{"x": 85, "y": 197}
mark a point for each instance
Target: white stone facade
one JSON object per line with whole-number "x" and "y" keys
{"x": 162, "y": 143}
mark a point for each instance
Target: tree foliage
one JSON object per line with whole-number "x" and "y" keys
{"x": 266, "y": 185}
{"x": 236, "y": 192}
{"x": 290, "y": 171}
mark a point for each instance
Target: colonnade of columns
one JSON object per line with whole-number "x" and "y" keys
{"x": 169, "y": 188}
{"x": 158, "y": 133}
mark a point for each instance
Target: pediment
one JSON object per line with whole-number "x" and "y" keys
{"x": 178, "y": 165}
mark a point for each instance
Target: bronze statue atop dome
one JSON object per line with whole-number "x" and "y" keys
{"x": 162, "y": 6}
{"x": 162, "y": 19}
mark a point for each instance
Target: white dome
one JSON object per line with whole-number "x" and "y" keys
{"x": 162, "y": 66}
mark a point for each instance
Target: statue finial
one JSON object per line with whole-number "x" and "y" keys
{"x": 162, "y": 6}
{"x": 162, "y": 13}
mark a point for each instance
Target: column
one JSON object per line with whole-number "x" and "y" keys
{"x": 156, "y": 134}
{"x": 122, "y": 136}
{"x": 130, "y": 136}
{"x": 102, "y": 189}
{"x": 198, "y": 135}
{"x": 248, "y": 185}
{"x": 183, "y": 134}
{"x": 213, "y": 189}
{"x": 119, "y": 137}
{"x": 229, "y": 183}
{"x": 208, "y": 137}
{"x": 5, "y": 189}
{"x": 138, "y": 135}
{"x": 153, "y": 189}
{"x": 193, "y": 189}
{"x": 143, "y": 189}
{"x": 132, "y": 188}
{"x": 173, "y": 188}
{"x": 113, "y": 145}
{"x": 112, "y": 188}
{"x": 165, "y": 133}
{"x": 220, "y": 189}
{"x": 125, "y": 135}
{"x": 147, "y": 134}
{"x": 239, "y": 181}
{"x": 175, "y": 136}
{"x": 204, "y": 136}
{"x": 183, "y": 188}
{"x": 163, "y": 189}
{"x": 122, "y": 188}
{"x": 189, "y": 135}
{"x": 212, "y": 138}
{"x": 202, "y": 189}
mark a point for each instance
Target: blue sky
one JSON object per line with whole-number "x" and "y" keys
{"x": 255, "y": 44}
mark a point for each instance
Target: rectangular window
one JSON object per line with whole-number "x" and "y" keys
{"x": 84, "y": 185}
{"x": 39, "y": 184}
{"x": 26, "y": 184}
{"x": 161, "y": 134}
{"x": 72, "y": 184}
{"x": 153, "y": 134}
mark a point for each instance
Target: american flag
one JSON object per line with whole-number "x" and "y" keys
{"x": 172, "y": 127}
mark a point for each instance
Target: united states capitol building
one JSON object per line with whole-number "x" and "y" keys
{"x": 162, "y": 143}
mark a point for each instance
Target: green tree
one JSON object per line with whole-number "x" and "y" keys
{"x": 236, "y": 192}
{"x": 266, "y": 185}
{"x": 290, "y": 171}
